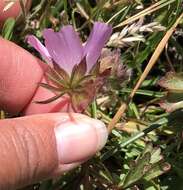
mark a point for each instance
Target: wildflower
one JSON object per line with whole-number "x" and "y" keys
{"x": 119, "y": 71}
{"x": 73, "y": 67}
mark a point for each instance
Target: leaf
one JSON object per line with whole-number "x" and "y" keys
{"x": 95, "y": 69}
{"x": 79, "y": 71}
{"x": 55, "y": 81}
{"x": 8, "y": 27}
{"x": 132, "y": 127}
{"x": 157, "y": 170}
{"x": 81, "y": 99}
{"x": 156, "y": 55}
{"x": 138, "y": 171}
{"x": 148, "y": 148}
{"x": 148, "y": 68}
{"x": 156, "y": 155}
{"x": 49, "y": 87}
{"x": 172, "y": 82}
{"x": 50, "y": 99}
{"x": 57, "y": 76}
{"x": 59, "y": 72}
{"x": 172, "y": 102}
{"x": 171, "y": 107}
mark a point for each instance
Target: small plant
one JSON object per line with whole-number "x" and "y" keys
{"x": 123, "y": 60}
{"x": 73, "y": 69}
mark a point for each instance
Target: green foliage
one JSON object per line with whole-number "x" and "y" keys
{"x": 147, "y": 140}
{"x": 147, "y": 166}
{"x": 173, "y": 82}
{"x": 8, "y": 27}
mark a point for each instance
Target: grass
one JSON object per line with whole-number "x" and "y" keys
{"x": 145, "y": 149}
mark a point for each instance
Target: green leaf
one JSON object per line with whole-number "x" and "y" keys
{"x": 50, "y": 99}
{"x": 156, "y": 155}
{"x": 157, "y": 170}
{"x": 49, "y": 87}
{"x": 8, "y": 27}
{"x": 138, "y": 171}
{"x": 57, "y": 76}
{"x": 172, "y": 82}
{"x": 78, "y": 71}
{"x": 59, "y": 73}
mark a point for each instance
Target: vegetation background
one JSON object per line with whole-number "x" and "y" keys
{"x": 145, "y": 149}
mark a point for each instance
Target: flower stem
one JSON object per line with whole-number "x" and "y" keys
{"x": 94, "y": 109}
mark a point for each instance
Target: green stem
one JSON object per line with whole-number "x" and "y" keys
{"x": 144, "y": 92}
{"x": 152, "y": 127}
{"x": 94, "y": 109}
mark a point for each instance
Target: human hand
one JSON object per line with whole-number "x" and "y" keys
{"x": 41, "y": 146}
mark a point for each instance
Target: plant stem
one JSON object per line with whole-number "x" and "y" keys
{"x": 94, "y": 109}
{"x": 117, "y": 117}
{"x": 152, "y": 127}
{"x": 149, "y": 66}
{"x": 146, "y": 11}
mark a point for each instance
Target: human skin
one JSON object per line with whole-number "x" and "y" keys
{"x": 37, "y": 147}
{"x": 13, "y": 11}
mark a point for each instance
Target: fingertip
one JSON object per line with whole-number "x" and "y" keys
{"x": 47, "y": 145}
{"x": 79, "y": 139}
{"x": 13, "y": 11}
{"x": 20, "y": 74}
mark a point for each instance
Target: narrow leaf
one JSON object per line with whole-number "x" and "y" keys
{"x": 138, "y": 171}
{"x": 50, "y": 99}
{"x": 79, "y": 71}
{"x": 8, "y": 27}
{"x": 49, "y": 87}
{"x": 61, "y": 73}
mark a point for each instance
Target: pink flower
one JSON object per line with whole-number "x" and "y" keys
{"x": 65, "y": 48}
{"x": 72, "y": 65}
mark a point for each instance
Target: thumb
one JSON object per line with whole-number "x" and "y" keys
{"x": 42, "y": 146}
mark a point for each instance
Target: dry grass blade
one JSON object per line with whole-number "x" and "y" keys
{"x": 156, "y": 54}
{"x": 115, "y": 15}
{"x": 151, "y": 63}
{"x": 117, "y": 117}
{"x": 2, "y": 114}
{"x": 146, "y": 11}
{"x": 83, "y": 12}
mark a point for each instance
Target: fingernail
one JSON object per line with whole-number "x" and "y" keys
{"x": 77, "y": 140}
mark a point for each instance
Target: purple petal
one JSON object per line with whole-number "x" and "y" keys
{"x": 34, "y": 42}
{"x": 64, "y": 47}
{"x": 96, "y": 41}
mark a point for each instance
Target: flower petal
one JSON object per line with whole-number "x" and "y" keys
{"x": 34, "y": 42}
{"x": 96, "y": 41}
{"x": 64, "y": 47}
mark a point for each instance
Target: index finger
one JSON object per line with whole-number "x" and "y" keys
{"x": 20, "y": 73}
{"x": 13, "y": 11}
